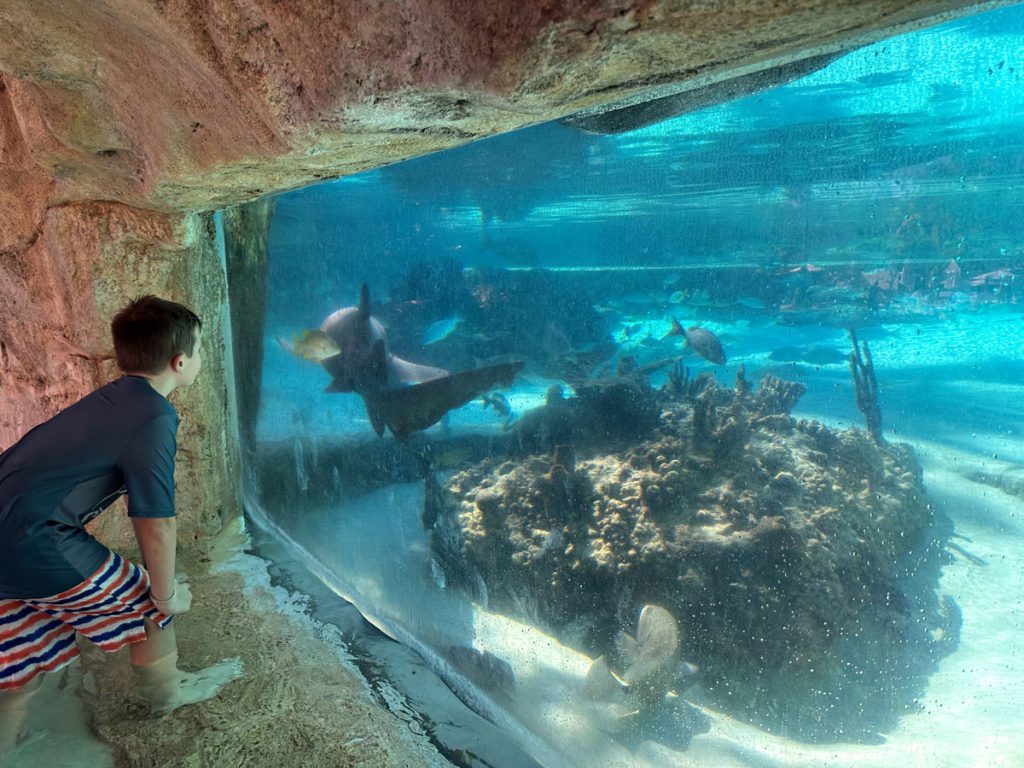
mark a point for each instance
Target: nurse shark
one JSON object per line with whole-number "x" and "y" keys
{"x": 399, "y": 395}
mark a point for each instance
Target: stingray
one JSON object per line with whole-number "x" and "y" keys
{"x": 652, "y": 663}
{"x": 399, "y": 395}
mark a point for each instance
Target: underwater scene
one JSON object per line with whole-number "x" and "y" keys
{"x": 689, "y": 443}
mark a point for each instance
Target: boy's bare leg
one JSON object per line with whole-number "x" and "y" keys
{"x": 158, "y": 644}
{"x": 13, "y": 710}
{"x": 162, "y": 684}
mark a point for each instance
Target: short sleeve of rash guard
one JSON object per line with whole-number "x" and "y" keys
{"x": 148, "y": 468}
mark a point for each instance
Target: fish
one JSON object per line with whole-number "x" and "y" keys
{"x": 629, "y": 115}
{"x": 703, "y": 341}
{"x": 600, "y": 682}
{"x": 315, "y": 346}
{"x": 652, "y": 660}
{"x": 501, "y": 406}
{"x": 511, "y": 357}
{"x": 399, "y": 395}
{"x": 677, "y": 298}
{"x": 555, "y": 343}
{"x": 655, "y": 646}
{"x": 453, "y": 457}
{"x": 499, "y": 403}
{"x": 812, "y": 355}
{"x": 437, "y": 574}
{"x": 512, "y": 250}
{"x": 405, "y": 410}
{"x": 699, "y": 298}
{"x": 751, "y": 302}
{"x": 442, "y": 329}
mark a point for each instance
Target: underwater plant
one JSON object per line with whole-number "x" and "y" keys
{"x": 863, "y": 371}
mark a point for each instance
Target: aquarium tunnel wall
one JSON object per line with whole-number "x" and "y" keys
{"x": 697, "y": 443}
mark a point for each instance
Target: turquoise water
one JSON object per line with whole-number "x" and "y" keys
{"x": 879, "y": 194}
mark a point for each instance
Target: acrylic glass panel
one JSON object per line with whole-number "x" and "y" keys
{"x": 634, "y": 512}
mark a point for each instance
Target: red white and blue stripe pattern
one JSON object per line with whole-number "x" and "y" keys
{"x": 38, "y": 635}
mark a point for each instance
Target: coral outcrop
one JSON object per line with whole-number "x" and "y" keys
{"x": 781, "y": 546}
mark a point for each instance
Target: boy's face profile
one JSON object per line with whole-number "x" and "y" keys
{"x": 187, "y": 366}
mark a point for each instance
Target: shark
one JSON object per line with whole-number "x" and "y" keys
{"x": 399, "y": 395}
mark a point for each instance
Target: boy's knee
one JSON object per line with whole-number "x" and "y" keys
{"x": 13, "y": 710}
{"x": 22, "y": 692}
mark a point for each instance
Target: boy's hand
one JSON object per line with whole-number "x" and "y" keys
{"x": 179, "y": 601}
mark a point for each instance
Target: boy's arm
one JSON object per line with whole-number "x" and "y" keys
{"x": 157, "y": 537}
{"x": 148, "y": 468}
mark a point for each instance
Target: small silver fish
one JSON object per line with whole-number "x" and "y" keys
{"x": 751, "y": 302}
{"x": 442, "y": 329}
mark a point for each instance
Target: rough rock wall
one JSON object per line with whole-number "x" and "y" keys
{"x": 111, "y": 110}
{"x": 196, "y": 104}
{"x": 59, "y": 292}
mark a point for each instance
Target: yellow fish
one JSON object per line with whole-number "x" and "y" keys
{"x": 316, "y": 346}
{"x": 453, "y": 457}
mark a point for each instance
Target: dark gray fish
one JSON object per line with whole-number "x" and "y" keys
{"x": 703, "y": 341}
{"x": 499, "y": 403}
{"x": 405, "y": 410}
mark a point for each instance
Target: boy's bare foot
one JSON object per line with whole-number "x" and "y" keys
{"x": 165, "y": 687}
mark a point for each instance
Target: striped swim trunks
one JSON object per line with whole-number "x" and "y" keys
{"x": 38, "y": 635}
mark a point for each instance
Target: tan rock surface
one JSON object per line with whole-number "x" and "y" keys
{"x": 196, "y": 104}
{"x": 59, "y": 293}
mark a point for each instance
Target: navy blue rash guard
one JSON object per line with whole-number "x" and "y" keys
{"x": 119, "y": 439}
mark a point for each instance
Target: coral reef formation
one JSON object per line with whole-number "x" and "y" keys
{"x": 779, "y": 544}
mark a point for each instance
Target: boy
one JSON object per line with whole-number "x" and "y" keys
{"x": 56, "y": 579}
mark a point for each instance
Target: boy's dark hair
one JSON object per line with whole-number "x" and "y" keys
{"x": 149, "y": 331}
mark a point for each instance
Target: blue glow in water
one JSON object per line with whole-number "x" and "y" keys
{"x": 881, "y": 194}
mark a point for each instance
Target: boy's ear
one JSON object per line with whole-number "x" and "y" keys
{"x": 177, "y": 362}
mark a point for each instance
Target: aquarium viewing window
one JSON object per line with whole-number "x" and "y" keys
{"x": 696, "y": 444}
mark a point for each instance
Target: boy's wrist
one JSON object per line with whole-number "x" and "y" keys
{"x": 167, "y": 599}
{"x": 179, "y": 601}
